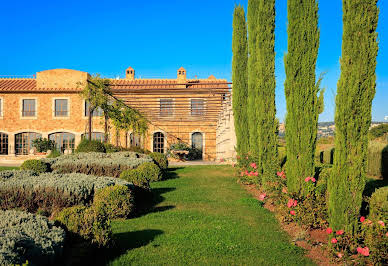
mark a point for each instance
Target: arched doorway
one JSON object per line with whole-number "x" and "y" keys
{"x": 158, "y": 142}
{"x": 3, "y": 143}
{"x": 63, "y": 141}
{"x": 197, "y": 143}
{"x": 23, "y": 142}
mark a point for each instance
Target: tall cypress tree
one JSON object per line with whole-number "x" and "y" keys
{"x": 240, "y": 79}
{"x": 301, "y": 90}
{"x": 355, "y": 92}
{"x": 253, "y": 87}
{"x": 265, "y": 100}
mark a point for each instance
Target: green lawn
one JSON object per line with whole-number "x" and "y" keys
{"x": 7, "y": 168}
{"x": 203, "y": 217}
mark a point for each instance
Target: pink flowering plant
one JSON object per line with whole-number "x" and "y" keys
{"x": 247, "y": 167}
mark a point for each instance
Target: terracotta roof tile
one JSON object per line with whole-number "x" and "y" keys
{"x": 17, "y": 84}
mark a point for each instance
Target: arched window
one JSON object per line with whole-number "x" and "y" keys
{"x": 95, "y": 136}
{"x": 158, "y": 142}
{"x": 197, "y": 143}
{"x": 63, "y": 141}
{"x": 3, "y": 144}
{"x": 23, "y": 142}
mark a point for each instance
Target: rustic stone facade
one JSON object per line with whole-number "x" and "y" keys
{"x": 66, "y": 84}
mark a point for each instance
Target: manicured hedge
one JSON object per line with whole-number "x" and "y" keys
{"x": 35, "y": 165}
{"x": 151, "y": 171}
{"x": 50, "y": 191}
{"x": 98, "y": 164}
{"x": 87, "y": 145}
{"x": 327, "y": 156}
{"x": 378, "y": 205}
{"x": 377, "y": 159}
{"x": 160, "y": 159}
{"x": 27, "y": 237}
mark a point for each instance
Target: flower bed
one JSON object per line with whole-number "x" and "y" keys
{"x": 50, "y": 191}
{"x": 29, "y": 237}
{"x": 98, "y": 164}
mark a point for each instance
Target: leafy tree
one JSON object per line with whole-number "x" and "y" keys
{"x": 355, "y": 92}
{"x": 265, "y": 101}
{"x": 301, "y": 90}
{"x": 240, "y": 80}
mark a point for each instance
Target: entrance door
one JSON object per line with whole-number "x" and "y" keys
{"x": 158, "y": 142}
{"x": 197, "y": 143}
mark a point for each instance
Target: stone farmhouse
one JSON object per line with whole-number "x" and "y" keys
{"x": 49, "y": 105}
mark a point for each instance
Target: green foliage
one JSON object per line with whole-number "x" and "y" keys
{"x": 99, "y": 164}
{"x": 115, "y": 201}
{"x": 240, "y": 79}
{"x": 160, "y": 159}
{"x": 301, "y": 90}
{"x": 87, "y": 145}
{"x": 378, "y": 131}
{"x": 109, "y": 148}
{"x": 355, "y": 92}
{"x": 136, "y": 177}
{"x": 378, "y": 205}
{"x": 377, "y": 159}
{"x": 54, "y": 154}
{"x": 34, "y": 165}
{"x": 374, "y": 237}
{"x": 267, "y": 124}
{"x": 86, "y": 223}
{"x": 27, "y": 237}
{"x": 327, "y": 156}
{"x": 181, "y": 146}
{"x": 43, "y": 145}
{"x": 151, "y": 171}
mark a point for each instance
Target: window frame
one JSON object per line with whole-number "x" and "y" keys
{"x": 54, "y": 108}
{"x": 1, "y": 107}
{"x": 203, "y": 107}
{"x": 164, "y": 113}
{"x": 85, "y": 115}
{"x": 21, "y": 108}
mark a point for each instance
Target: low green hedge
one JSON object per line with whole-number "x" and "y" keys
{"x": 98, "y": 164}
{"x": 378, "y": 205}
{"x": 115, "y": 201}
{"x": 160, "y": 159}
{"x": 151, "y": 171}
{"x": 50, "y": 191}
{"x": 86, "y": 223}
{"x": 27, "y": 237}
{"x": 327, "y": 156}
{"x": 377, "y": 159}
{"x": 34, "y": 165}
{"x": 137, "y": 178}
{"x": 87, "y": 145}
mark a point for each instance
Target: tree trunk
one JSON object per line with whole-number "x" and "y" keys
{"x": 106, "y": 127}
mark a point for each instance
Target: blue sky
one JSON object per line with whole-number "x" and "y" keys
{"x": 157, "y": 37}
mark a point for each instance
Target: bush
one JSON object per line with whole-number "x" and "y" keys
{"x": 115, "y": 201}
{"x": 87, "y": 145}
{"x": 137, "y": 178}
{"x": 50, "y": 191}
{"x": 25, "y": 236}
{"x": 378, "y": 131}
{"x": 43, "y": 145}
{"x": 54, "y": 154}
{"x": 109, "y": 148}
{"x": 375, "y": 238}
{"x": 192, "y": 155}
{"x": 377, "y": 159}
{"x": 87, "y": 224}
{"x": 99, "y": 164}
{"x": 327, "y": 156}
{"x": 151, "y": 171}
{"x": 34, "y": 165}
{"x": 378, "y": 205}
{"x": 160, "y": 159}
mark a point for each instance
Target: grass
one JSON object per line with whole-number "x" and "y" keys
{"x": 2, "y": 168}
{"x": 203, "y": 217}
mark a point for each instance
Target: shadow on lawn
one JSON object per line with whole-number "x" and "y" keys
{"x": 125, "y": 242}
{"x": 170, "y": 173}
{"x": 148, "y": 204}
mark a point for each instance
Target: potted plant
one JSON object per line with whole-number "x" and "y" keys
{"x": 42, "y": 145}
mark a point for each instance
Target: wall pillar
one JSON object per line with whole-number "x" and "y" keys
{"x": 11, "y": 145}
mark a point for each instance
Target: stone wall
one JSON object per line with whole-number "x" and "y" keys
{"x": 225, "y": 133}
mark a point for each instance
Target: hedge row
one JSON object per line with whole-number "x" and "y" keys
{"x": 50, "y": 191}
{"x": 98, "y": 164}
{"x": 28, "y": 237}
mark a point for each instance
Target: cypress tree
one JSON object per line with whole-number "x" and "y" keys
{"x": 265, "y": 101}
{"x": 252, "y": 76}
{"x": 240, "y": 80}
{"x": 355, "y": 92}
{"x": 301, "y": 90}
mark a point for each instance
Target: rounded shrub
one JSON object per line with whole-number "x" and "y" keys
{"x": 136, "y": 177}
{"x": 89, "y": 224}
{"x": 115, "y": 201}
{"x": 160, "y": 159}
{"x": 151, "y": 171}
{"x": 378, "y": 205}
{"x": 109, "y": 148}
{"x": 34, "y": 165}
{"x": 90, "y": 146}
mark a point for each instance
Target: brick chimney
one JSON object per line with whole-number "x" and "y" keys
{"x": 181, "y": 75}
{"x": 130, "y": 74}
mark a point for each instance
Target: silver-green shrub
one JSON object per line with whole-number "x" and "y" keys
{"x": 24, "y": 236}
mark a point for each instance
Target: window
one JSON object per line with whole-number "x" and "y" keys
{"x": 63, "y": 141}
{"x": 197, "y": 107}
{"x": 95, "y": 136}
{"x": 96, "y": 112}
{"x": 1, "y": 108}
{"x": 3, "y": 144}
{"x": 197, "y": 144}
{"x": 28, "y": 107}
{"x": 61, "y": 107}
{"x": 23, "y": 142}
{"x": 158, "y": 142}
{"x": 166, "y": 107}
{"x": 134, "y": 140}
